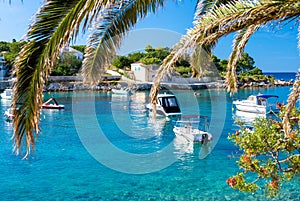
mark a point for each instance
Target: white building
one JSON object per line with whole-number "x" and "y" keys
{"x": 68, "y": 49}
{"x": 143, "y": 72}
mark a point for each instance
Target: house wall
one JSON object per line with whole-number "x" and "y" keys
{"x": 144, "y": 73}
{"x": 139, "y": 72}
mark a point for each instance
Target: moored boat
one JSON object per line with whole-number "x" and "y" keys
{"x": 121, "y": 91}
{"x": 193, "y": 129}
{"x": 257, "y": 104}
{"x": 7, "y": 94}
{"x": 51, "y": 103}
{"x": 9, "y": 114}
{"x": 167, "y": 106}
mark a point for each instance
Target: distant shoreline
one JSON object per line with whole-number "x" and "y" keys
{"x": 108, "y": 86}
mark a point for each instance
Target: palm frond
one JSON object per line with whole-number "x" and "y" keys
{"x": 239, "y": 44}
{"x": 291, "y": 102}
{"x": 109, "y": 30}
{"x": 56, "y": 23}
{"x": 203, "y": 6}
{"x": 240, "y": 14}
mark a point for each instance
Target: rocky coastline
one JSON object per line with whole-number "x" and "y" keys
{"x": 135, "y": 86}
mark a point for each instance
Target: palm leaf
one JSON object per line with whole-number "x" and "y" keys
{"x": 292, "y": 100}
{"x": 112, "y": 24}
{"x": 238, "y": 47}
{"x": 56, "y": 23}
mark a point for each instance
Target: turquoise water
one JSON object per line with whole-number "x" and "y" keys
{"x": 63, "y": 166}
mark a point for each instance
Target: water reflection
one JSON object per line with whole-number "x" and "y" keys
{"x": 182, "y": 147}
{"x": 247, "y": 117}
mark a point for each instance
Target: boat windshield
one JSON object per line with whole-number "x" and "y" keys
{"x": 169, "y": 104}
{"x": 8, "y": 92}
{"x": 195, "y": 123}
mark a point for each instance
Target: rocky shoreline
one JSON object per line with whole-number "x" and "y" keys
{"x": 108, "y": 86}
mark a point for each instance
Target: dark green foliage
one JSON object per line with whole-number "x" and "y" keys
{"x": 157, "y": 55}
{"x": 11, "y": 50}
{"x": 68, "y": 65}
{"x": 150, "y": 56}
{"x": 121, "y": 62}
{"x": 151, "y": 60}
{"x": 182, "y": 62}
{"x": 184, "y": 71}
{"x": 245, "y": 63}
{"x": 80, "y": 48}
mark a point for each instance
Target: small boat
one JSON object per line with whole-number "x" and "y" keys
{"x": 9, "y": 114}
{"x": 257, "y": 104}
{"x": 193, "y": 129}
{"x": 51, "y": 103}
{"x": 7, "y": 94}
{"x": 167, "y": 106}
{"x": 122, "y": 91}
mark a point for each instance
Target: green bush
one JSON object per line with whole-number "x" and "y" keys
{"x": 269, "y": 155}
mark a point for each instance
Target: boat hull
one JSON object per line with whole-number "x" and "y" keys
{"x": 57, "y": 107}
{"x": 120, "y": 92}
{"x": 192, "y": 135}
{"x": 260, "y": 109}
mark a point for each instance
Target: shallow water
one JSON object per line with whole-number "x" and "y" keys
{"x": 104, "y": 147}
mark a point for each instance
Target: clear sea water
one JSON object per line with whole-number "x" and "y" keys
{"x": 72, "y": 162}
{"x": 282, "y": 76}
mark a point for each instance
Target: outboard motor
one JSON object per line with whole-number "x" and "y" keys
{"x": 204, "y": 138}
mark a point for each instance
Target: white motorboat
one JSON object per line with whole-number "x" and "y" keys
{"x": 7, "y": 94}
{"x": 124, "y": 92}
{"x": 9, "y": 114}
{"x": 167, "y": 106}
{"x": 257, "y": 104}
{"x": 51, "y": 103}
{"x": 193, "y": 129}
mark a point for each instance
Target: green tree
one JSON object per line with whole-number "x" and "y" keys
{"x": 4, "y": 46}
{"x": 149, "y": 49}
{"x": 67, "y": 65}
{"x": 121, "y": 62}
{"x": 136, "y": 56}
{"x": 11, "y": 50}
{"x": 150, "y": 60}
{"x": 245, "y": 63}
{"x": 267, "y": 154}
{"x": 80, "y": 48}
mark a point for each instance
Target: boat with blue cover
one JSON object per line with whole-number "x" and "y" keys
{"x": 260, "y": 104}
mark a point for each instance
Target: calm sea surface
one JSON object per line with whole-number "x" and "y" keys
{"x": 102, "y": 147}
{"x": 283, "y": 76}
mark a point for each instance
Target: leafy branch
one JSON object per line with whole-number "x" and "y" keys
{"x": 269, "y": 156}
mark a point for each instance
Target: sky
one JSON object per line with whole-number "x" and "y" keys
{"x": 274, "y": 50}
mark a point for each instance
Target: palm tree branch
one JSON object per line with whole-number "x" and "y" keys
{"x": 114, "y": 22}
{"x": 55, "y": 24}
{"x": 238, "y": 15}
{"x": 239, "y": 44}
